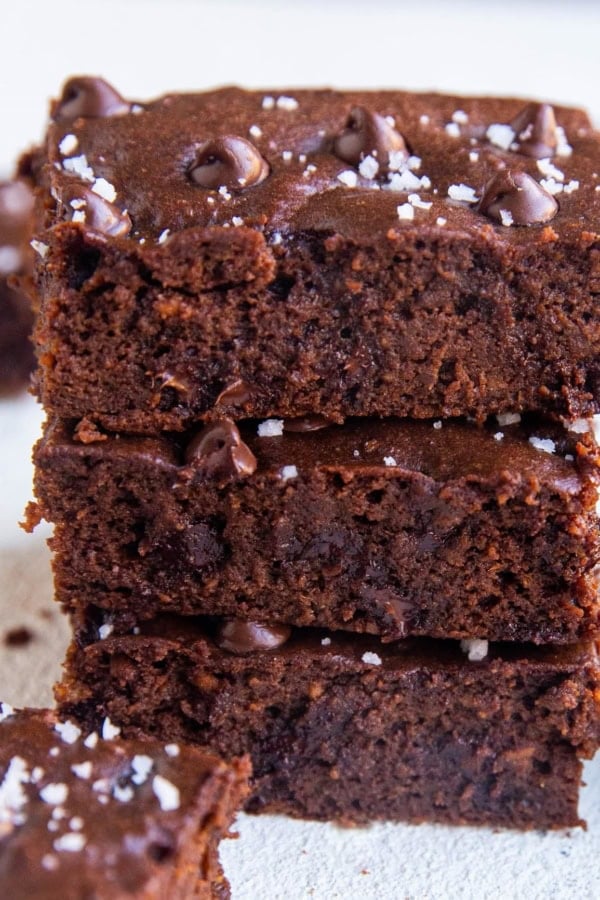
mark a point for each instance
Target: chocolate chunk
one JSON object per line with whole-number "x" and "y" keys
{"x": 218, "y": 450}
{"x": 88, "y": 97}
{"x": 241, "y": 637}
{"x": 306, "y": 423}
{"x": 235, "y": 394}
{"x": 100, "y": 215}
{"x": 515, "y": 198}
{"x": 369, "y": 134}
{"x": 535, "y": 130}
{"x": 229, "y": 161}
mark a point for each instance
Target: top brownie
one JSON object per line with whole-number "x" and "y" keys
{"x": 314, "y": 251}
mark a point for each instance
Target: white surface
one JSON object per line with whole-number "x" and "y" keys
{"x": 146, "y": 47}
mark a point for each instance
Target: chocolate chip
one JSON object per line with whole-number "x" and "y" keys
{"x": 218, "y": 450}
{"x": 235, "y": 394}
{"x": 306, "y": 423}
{"x": 100, "y": 215}
{"x": 90, "y": 98}
{"x": 535, "y": 130}
{"x": 369, "y": 134}
{"x": 516, "y": 198}
{"x": 229, "y": 161}
{"x": 240, "y": 637}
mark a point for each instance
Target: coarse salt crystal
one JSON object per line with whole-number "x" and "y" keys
{"x": 573, "y": 185}
{"x": 236, "y": 221}
{"x": 579, "y": 426}
{"x": 440, "y": 220}
{"x": 40, "y": 247}
{"x": 172, "y": 750}
{"x": 78, "y": 216}
{"x": 475, "y": 649}
{"x": 82, "y": 770}
{"x": 371, "y": 659}
{"x": 59, "y": 813}
{"x": 37, "y": 773}
{"x": 462, "y": 192}
{"x": 268, "y": 102}
{"x": 414, "y": 163}
{"x": 78, "y": 165}
{"x": 163, "y": 236}
{"x": 404, "y": 181}
{"x": 288, "y": 472}
{"x": 287, "y": 103}
{"x": 101, "y": 786}
{"x": 254, "y": 131}
{"x": 500, "y": 136}
{"x": 552, "y": 186}
{"x": 72, "y": 842}
{"x": 348, "y": 177}
{"x": 276, "y": 237}
{"x": 224, "y": 193}
{"x": 309, "y": 170}
{"x": 105, "y": 631}
{"x": 49, "y": 862}
{"x": 270, "y": 428}
{"x": 405, "y": 211}
{"x": 504, "y": 419}
{"x": 506, "y": 217}
{"x": 68, "y": 144}
{"x": 452, "y": 129}
{"x": 474, "y": 156}
{"x": 499, "y": 435}
{"x": 78, "y": 203}
{"x": 325, "y": 642}
{"x": 389, "y": 461}
{"x": 166, "y": 793}
{"x": 460, "y": 116}
{"x": 76, "y": 823}
{"x": 12, "y": 796}
{"x": 123, "y": 794}
{"x": 104, "y": 189}
{"x": 424, "y": 120}
{"x": 368, "y": 167}
{"x": 547, "y": 168}
{"x": 54, "y": 793}
{"x": 68, "y": 731}
{"x": 142, "y": 765}
{"x": 437, "y": 424}
{"x": 544, "y": 444}
{"x": 287, "y": 155}
{"x": 415, "y": 200}
{"x": 109, "y": 731}
{"x": 6, "y": 710}
{"x": 91, "y": 740}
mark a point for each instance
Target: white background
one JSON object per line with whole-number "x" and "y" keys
{"x": 549, "y": 50}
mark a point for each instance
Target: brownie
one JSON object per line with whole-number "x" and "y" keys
{"x": 16, "y": 314}
{"x": 84, "y": 816}
{"x": 260, "y": 254}
{"x": 393, "y": 527}
{"x": 342, "y": 727}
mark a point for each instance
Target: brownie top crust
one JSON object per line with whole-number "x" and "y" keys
{"x": 354, "y": 163}
{"x": 91, "y": 815}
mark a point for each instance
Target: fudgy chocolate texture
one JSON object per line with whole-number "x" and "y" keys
{"x": 393, "y": 527}
{"x": 16, "y": 315}
{"x": 347, "y": 254}
{"x": 83, "y": 816}
{"x": 343, "y": 727}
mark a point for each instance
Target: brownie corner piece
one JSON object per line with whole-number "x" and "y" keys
{"x": 90, "y": 814}
{"x": 349, "y": 253}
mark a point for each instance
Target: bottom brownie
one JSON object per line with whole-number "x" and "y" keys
{"x": 345, "y": 728}
{"x": 83, "y": 816}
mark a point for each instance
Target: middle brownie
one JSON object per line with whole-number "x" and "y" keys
{"x": 392, "y": 527}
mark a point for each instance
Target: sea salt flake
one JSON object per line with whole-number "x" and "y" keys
{"x": 475, "y": 649}
{"x": 404, "y": 181}
{"x": 474, "y": 156}
{"x": 268, "y": 102}
{"x": 547, "y": 168}
{"x": 415, "y": 200}
{"x": 12, "y": 796}
{"x": 101, "y": 786}
{"x": 76, "y": 823}
{"x": 440, "y": 220}
{"x": 254, "y": 131}
{"x": 53, "y": 826}
{"x": 499, "y": 435}
{"x": 59, "y": 813}
{"x": 71, "y": 842}
{"x": 78, "y": 216}
{"x": 579, "y": 426}
{"x": 109, "y": 731}
{"x": 54, "y": 793}
{"x": 123, "y": 794}
{"x": 309, "y": 170}
{"x": 142, "y": 765}
{"x": 389, "y": 461}
{"x": 82, "y": 770}
{"x": 506, "y": 217}
{"x": 500, "y": 136}
{"x": 172, "y": 750}
{"x": 452, "y": 129}
{"x": 91, "y": 740}
{"x": 424, "y": 120}
{"x": 405, "y": 211}
{"x": 287, "y": 103}
{"x": 544, "y": 444}
{"x": 348, "y": 177}
{"x": 509, "y": 418}
{"x": 68, "y": 145}
{"x": 552, "y": 186}
{"x": 563, "y": 148}
{"x": 573, "y": 185}
{"x": 270, "y": 428}
{"x": 40, "y": 247}
{"x": 462, "y": 192}
{"x": 68, "y": 731}
{"x": 105, "y": 631}
{"x": 437, "y": 424}
{"x": 460, "y": 117}
{"x": 368, "y": 167}
{"x": 414, "y": 163}
{"x": 288, "y": 472}
{"x": 224, "y": 193}
{"x": 78, "y": 165}
{"x": 6, "y": 710}
{"x": 237, "y": 221}
{"x": 166, "y": 793}
{"x": 78, "y": 203}
{"x": 287, "y": 155}
{"x": 325, "y": 642}
{"x": 37, "y": 773}
{"x": 49, "y": 862}
{"x": 163, "y": 236}
{"x": 371, "y": 659}
{"x": 104, "y": 189}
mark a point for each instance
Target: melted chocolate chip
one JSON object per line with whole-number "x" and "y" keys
{"x": 100, "y": 215}
{"x": 229, "y": 161}
{"x": 240, "y": 637}
{"x": 218, "y": 450}
{"x": 235, "y": 394}
{"x": 369, "y": 134}
{"x": 535, "y": 130}
{"x": 306, "y": 423}
{"x": 90, "y": 98}
{"x": 516, "y": 198}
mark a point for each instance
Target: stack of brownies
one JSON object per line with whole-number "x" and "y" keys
{"x": 318, "y": 369}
